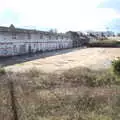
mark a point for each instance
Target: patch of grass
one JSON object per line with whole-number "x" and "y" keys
{"x": 91, "y": 78}
{"x": 33, "y": 72}
{"x": 104, "y": 43}
{"x": 74, "y": 77}
{"x": 39, "y": 95}
{"x": 82, "y": 108}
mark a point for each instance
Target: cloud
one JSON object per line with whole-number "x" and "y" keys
{"x": 61, "y": 14}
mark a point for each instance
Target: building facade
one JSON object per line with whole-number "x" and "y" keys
{"x": 16, "y": 41}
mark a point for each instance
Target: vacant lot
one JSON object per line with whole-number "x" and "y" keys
{"x": 75, "y": 94}
{"x": 88, "y": 57}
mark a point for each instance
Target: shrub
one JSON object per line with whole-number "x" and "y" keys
{"x": 2, "y": 71}
{"x": 116, "y": 66}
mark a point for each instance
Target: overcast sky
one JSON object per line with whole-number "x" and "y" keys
{"x": 63, "y": 15}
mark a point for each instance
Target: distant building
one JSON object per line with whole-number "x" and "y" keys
{"x": 79, "y": 38}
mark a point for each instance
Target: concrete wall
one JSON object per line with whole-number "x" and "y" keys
{"x": 17, "y": 43}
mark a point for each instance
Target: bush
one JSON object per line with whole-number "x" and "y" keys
{"x": 116, "y": 66}
{"x": 2, "y": 71}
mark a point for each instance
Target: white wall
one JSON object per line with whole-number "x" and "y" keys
{"x": 22, "y": 44}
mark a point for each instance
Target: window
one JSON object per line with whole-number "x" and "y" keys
{"x": 49, "y": 37}
{"x": 61, "y": 37}
{"x": 41, "y": 36}
{"x": 13, "y": 35}
{"x": 29, "y": 36}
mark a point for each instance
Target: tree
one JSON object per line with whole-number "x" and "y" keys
{"x": 53, "y": 30}
{"x": 118, "y": 34}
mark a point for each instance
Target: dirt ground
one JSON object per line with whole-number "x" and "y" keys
{"x": 94, "y": 58}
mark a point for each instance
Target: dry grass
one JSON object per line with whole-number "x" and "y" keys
{"x": 76, "y": 94}
{"x": 105, "y": 43}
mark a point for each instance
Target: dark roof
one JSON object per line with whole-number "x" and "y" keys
{"x": 22, "y": 30}
{"x": 13, "y": 29}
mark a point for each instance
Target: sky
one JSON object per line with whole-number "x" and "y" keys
{"x": 64, "y": 15}
{"x": 114, "y": 24}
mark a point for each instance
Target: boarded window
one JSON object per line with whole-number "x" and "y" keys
{"x": 15, "y": 49}
{"x": 56, "y": 37}
{"x": 29, "y": 36}
{"x": 61, "y": 37}
{"x": 22, "y": 48}
{"x": 49, "y": 37}
{"x": 41, "y": 36}
{"x": 13, "y": 35}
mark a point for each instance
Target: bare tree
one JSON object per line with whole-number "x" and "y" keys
{"x": 53, "y": 30}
